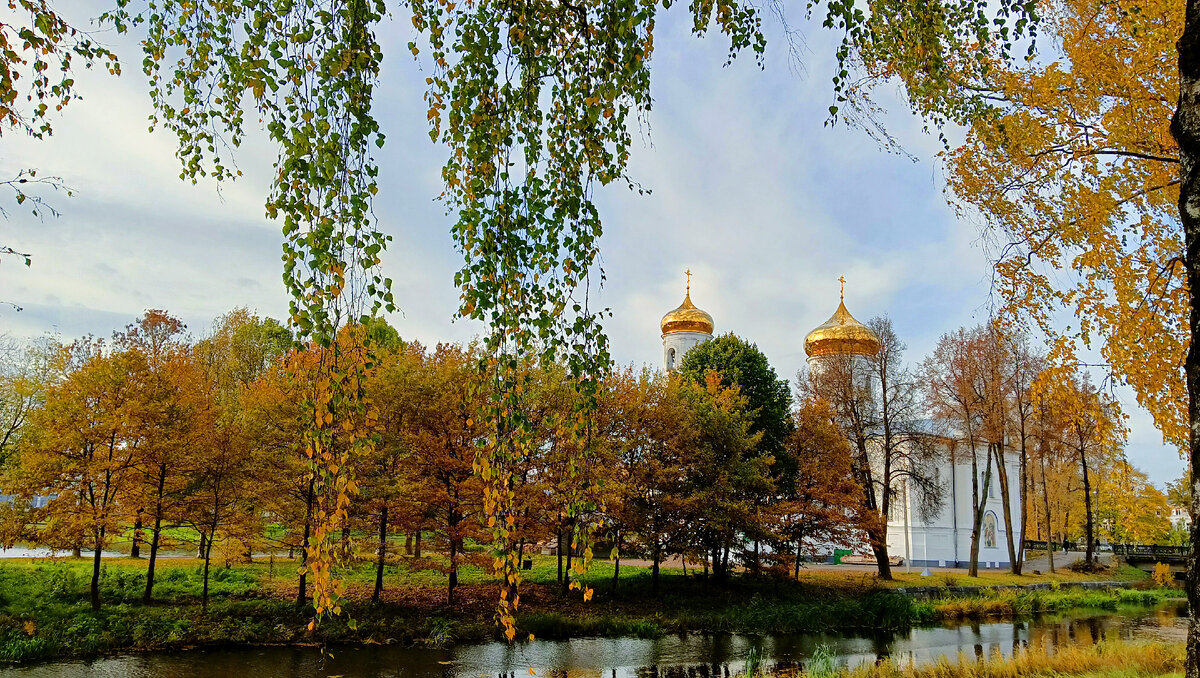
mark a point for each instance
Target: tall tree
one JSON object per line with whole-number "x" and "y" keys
{"x": 740, "y": 363}
{"x": 387, "y": 481}
{"x": 823, "y": 505}
{"x": 724, "y": 473}
{"x": 177, "y": 418}
{"x": 875, "y": 401}
{"x": 444, "y": 437}
{"x": 958, "y": 390}
{"x": 1093, "y": 426}
{"x": 83, "y": 450}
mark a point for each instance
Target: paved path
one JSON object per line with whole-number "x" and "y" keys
{"x": 1062, "y": 559}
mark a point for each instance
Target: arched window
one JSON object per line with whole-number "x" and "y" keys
{"x": 670, "y": 358}
{"x": 989, "y": 530}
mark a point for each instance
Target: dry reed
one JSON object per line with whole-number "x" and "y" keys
{"x": 1126, "y": 659}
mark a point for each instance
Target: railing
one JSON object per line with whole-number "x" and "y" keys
{"x": 1152, "y": 551}
{"x": 1035, "y": 545}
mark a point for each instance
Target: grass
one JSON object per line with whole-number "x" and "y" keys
{"x": 45, "y": 611}
{"x": 1008, "y": 604}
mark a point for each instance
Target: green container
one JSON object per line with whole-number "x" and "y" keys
{"x": 838, "y": 554}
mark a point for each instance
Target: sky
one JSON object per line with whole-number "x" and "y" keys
{"x": 750, "y": 189}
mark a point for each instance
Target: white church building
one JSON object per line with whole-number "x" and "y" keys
{"x": 940, "y": 540}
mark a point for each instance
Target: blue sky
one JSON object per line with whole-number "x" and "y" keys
{"x": 749, "y": 189}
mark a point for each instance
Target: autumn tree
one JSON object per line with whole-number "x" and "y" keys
{"x": 651, "y": 455}
{"x": 1077, "y": 171}
{"x": 82, "y": 450}
{"x": 875, "y": 402}
{"x": 725, "y": 474}
{"x": 1134, "y": 511}
{"x": 24, "y": 374}
{"x": 823, "y": 504}
{"x": 387, "y": 485}
{"x": 1093, "y": 427}
{"x": 959, "y": 389}
{"x": 177, "y": 417}
{"x": 443, "y": 436}
{"x": 1054, "y": 469}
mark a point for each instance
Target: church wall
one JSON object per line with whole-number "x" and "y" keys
{"x": 945, "y": 540}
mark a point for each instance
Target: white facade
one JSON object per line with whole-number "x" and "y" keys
{"x": 677, "y": 344}
{"x": 945, "y": 540}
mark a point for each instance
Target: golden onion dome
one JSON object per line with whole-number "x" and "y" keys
{"x": 687, "y": 318}
{"x": 841, "y": 335}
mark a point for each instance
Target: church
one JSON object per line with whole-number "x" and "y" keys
{"x": 940, "y": 540}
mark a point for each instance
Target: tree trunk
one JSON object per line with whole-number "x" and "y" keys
{"x": 877, "y": 534}
{"x": 558, "y": 550}
{"x": 452, "y": 520}
{"x": 302, "y": 589}
{"x": 1006, "y": 505}
{"x": 1185, "y": 127}
{"x": 1023, "y": 499}
{"x": 207, "y": 559}
{"x": 616, "y": 561}
{"x": 135, "y": 549}
{"x": 976, "y": 512}
{"x": 452, "y": 580}
{"x": 200, "y": 547}
{"x": 417, "y": 544}
{"x": 154, "y": 542}
{"x": 1046, "y": 506}
{"x": 408, "y": 544}
{"x": 383, "y": 521}
{"x": 157, "y": 538}
{"x": 569, "y": 537}
{"x": 95, "y": 589}
{"x": 1088, "y": 520}
{"x": 656, "y": 555}
{"x": 879, "y": 548}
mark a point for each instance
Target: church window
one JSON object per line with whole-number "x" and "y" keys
{"x": 670, "y": 358}
{"x": 989, "y": 530}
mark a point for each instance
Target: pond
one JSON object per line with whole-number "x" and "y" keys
{"x": 687, "y": 655}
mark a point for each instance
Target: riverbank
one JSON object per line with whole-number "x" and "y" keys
{"x": 44, "y": 607}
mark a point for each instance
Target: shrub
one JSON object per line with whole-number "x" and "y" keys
{"x": 1163, "y": 576}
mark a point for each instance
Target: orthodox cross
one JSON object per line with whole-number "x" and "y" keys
{"x": 689, "y": 280}
{"x": 842, "y": 280}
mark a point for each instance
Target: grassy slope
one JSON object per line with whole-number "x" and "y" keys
{"x": 44, "y": 609}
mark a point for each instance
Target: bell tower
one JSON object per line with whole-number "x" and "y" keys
{"x": 683, "y": 329}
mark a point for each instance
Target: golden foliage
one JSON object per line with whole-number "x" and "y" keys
{"x": 1076, "y": 178}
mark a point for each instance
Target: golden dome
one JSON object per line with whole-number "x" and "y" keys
{"x": 687, "y": 318}
{"x": 841, "y": 335}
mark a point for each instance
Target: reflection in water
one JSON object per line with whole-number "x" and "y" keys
{"x": 677, "y": 656}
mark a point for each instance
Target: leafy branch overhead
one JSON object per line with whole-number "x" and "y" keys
{"x": 535, "y": 102}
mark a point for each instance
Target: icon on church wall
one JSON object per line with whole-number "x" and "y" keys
{"x": 989, "y": 530}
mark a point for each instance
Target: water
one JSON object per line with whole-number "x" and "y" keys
{"x": 675, "y": 656}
